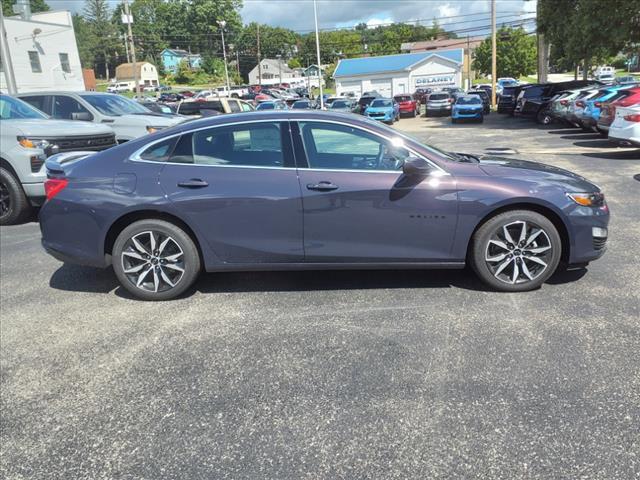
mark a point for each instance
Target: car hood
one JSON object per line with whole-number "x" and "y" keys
{"x": 534, "y": 171}
{"x": 38, "y": 127}
{"x": 470, "y": 106}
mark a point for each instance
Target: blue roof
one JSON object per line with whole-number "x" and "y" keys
{"x": 390, "y": 63}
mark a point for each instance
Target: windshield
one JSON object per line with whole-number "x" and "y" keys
{"x": 339, "y": 104}
{"x": 469, "y": 101}
{"x": 12, "y": 108}
{"x": 301, "y": 105}
{"x": 115, "y": 105}
{"x": 403, "y": 98}
{"x": 381, "y": 103}
{"x": 438, "y": 96}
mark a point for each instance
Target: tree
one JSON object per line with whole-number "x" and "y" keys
{"x": 98, "y": 17}
{"x": 515, "y": 56}
{"x": 294, "y": 63}
{"x": 36, "y": 6}
{"x": 85, "y": 39}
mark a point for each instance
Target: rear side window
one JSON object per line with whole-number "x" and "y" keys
{"x": 159, "y": 152}
{"x": 253, "y": 145}
{"x": 38, "y": 101}
{"x": 533, "y": 92}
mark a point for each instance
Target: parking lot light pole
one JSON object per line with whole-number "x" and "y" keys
{"x": 315, "y": 16}
{"x": 221, "y": 24}
{"x": 494, "y": 68}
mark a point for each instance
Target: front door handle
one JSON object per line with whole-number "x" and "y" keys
{"x": 193, "y": 183}
{"x": 322, "y": 186}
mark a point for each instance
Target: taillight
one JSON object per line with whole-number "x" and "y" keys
{"x": 53, "y": 186}
{"x": 635, "y": 117}
{"x": 580, "y": 103}
{"x": 563, "y": 102}
{"x": 597, "y": 104}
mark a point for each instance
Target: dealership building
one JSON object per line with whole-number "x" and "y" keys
{"x": 394, "y": 74}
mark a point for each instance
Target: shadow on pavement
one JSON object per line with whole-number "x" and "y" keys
{"x": 615, "y": 155}
{"x": 599, "y": 143}
{"x": 583, "y": 136}
{"x": 75, "y": 278}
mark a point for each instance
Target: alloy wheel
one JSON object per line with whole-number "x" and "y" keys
{"x": 518, "y": 252}
{"x": 153, "y": 261}
{"x": 5, "y": 200}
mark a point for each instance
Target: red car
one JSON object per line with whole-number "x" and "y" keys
{"x": 408, "y": 105}
{"x": 629, "y": 97}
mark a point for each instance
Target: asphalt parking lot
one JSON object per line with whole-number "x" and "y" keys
{"x": 334, "y": 375}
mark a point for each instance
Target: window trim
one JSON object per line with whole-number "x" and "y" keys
{"x": 29, "y": 52}
{"x": 135, "y": 156}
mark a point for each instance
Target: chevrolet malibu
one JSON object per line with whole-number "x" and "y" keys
{"x": 312, "y": 190}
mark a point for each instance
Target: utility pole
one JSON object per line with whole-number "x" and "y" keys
{"x": 129, "y": 21}
{"x": 222, "y": 24}
{"x": 238, "y": 61}
{"x": 469, "y": 62}
{"x": 126, "y": 48}
{"x": 315, "y": 16}
{"x": 259, "y": 59}
{"x": 494, "y": 67}
{"x": 7, "y": 64}
{"x": 279, "y": 57}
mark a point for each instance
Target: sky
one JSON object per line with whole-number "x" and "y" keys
{"x": 457, "y": 15}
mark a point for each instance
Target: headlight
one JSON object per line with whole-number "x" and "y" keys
{"x": 34, "y": 143}
{"x": 595, "y": 199}
{"x": 151, "y": 129}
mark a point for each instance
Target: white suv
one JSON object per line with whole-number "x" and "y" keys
{"x": 127, "y": 118}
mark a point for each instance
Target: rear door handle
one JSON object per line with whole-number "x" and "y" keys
{"x": 322, "y": 186}
{"x": 193, "y": 183}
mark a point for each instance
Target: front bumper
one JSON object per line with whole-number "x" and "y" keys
{"x": 589, "y": 232}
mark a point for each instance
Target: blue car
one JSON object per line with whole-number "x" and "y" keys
{"x": 591, "y": 112}
{"x": 302, "y": 189}
{"x": 467, "y": 107}
{"x": 272, "y": 105}
{"x": 383, "y": 109}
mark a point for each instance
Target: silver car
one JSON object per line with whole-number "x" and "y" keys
{"x": 439, "y": 103}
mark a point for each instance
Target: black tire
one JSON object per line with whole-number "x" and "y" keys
{"x": 500, "y": 279}
{"x": 543, "y": 118}
{"x": 181, "y": 246}
{"x": 14, "y": 204}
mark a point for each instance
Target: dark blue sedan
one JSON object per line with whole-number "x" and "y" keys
{"x": 312, "y": 190}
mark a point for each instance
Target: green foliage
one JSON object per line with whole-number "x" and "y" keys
{"x": 516, "y": 53}
{"x": 294, "y": 63}
{"x": 36, "y": 6}
{"x": 588, "y": 31}
{"x": 86, "y": 40}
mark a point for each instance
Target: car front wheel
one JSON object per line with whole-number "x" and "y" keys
{"x": 516, "y": 251}
{"x": 155, "y": 260}
{"x": 14, "y": 205}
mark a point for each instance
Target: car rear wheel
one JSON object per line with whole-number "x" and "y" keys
{"x": 516, "y": 251}
{"x": 14, "y": 205}
{"x": 155, "y": 260}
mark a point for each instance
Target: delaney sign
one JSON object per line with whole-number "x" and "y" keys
{"x": 433, "y": 80}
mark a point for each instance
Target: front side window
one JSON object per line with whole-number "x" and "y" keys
{"x": 64, "y": 108}
{"x": 340, "y": 147}
{"x": 34, "y": 59}
{"x": 37, "y": 101}
{"x": 64, "y": 62}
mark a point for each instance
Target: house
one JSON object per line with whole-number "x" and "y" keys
{"x": 274, "y": 72}
{"x": 394, "y": 74}
{"x": 147, "y": 73}
{"x": 468, "y": 44}
{"x": 172, "y": 57}
{"x": 41, "y": 52}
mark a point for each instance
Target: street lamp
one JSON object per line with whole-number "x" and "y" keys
{"x": 221, "y": 24}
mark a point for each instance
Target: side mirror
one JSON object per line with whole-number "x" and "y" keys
{"x": 416, "y": 166}
{"x": 83, "y": 116}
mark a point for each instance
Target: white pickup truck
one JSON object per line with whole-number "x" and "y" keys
{"x": 234, "y": 92}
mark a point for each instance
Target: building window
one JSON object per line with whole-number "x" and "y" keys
{"x": 64, "y": 62}
{"x": 34, "y": 58}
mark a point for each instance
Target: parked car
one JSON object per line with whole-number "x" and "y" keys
{"x": 127, "y": 118}
{"x": 533, "y": 100}
{"x": 576, "y": 106}
{"x": 486, "y": 100}
{"x": 408, "y": 105}
{"x": 421, "y": 95}
{"x": 625, "y": 129}
{"x": 305, "y": 104}
{"x": 507, "y": 99}
{"x": 504, "y": 82}
{"x": 627, "y": 79}
{"x": 468, "y": 107}
{"x": 209, "y": 108}
{"x": 626, "y": 97}
{"x": 27, "y": 138}
{"x": 171, "y": 97}
{"x": 606, "y": 77}
{"x": 272, "y": 105}
{"x": 591, "y": 112}
{"x": 119, "y": 87}
{"x": 159, "y": 107}
{"x": 347, "y": 198}
{"x": 438, "y": 103}
{"x": 604, "y": 69}
{"x": 340, "y": 105}
{"x": 364, "y": 102}
{"x": 383, "y": 109}
{"x": 453, "y": 91}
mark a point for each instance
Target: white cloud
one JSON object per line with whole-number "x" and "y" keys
{"x": 375, "y": 22}
{"x": 448, "y": 10}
